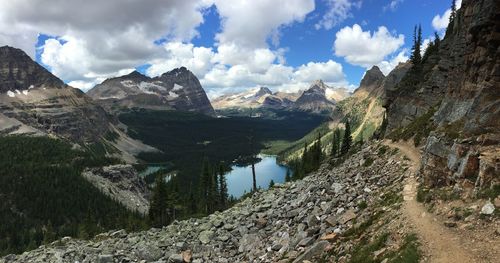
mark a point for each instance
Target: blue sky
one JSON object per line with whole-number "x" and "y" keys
{"x": 230, "y": 45}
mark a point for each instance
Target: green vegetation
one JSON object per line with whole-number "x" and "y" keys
{"x": 368, "y": 162}
{"x": 363, "y": 253}
{"x": 491, "y": 193}
{"x": 408, "y": 253}
{"x": 419, "y": 128}
{"x": 44, "y": 197}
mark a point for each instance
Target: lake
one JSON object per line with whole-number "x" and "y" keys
{"x": 240, "y": 179}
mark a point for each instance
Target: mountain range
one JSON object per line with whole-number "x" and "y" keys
{"x": 317, "y": 98}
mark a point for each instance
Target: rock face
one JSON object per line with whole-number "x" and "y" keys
{"x": 460, "y": 83}
{"x": 178, "y": 89}
{"x": 314, "y": 99}
{"x": 32, "y": 100}
{"x": 371, "y": 82}
{"x": 122, "y": 183}
{"x": 288, "y": 223}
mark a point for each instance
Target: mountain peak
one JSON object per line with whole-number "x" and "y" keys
{"x": 19, "y": 71}
{"x": 135, "y": 74}
{"x": 263, "y": 91}
{"x": 372, "y": 76}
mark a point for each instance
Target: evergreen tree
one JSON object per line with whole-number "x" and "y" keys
{"x": 158, "y": 209}
{"x": 317, "y": 154}
{"x": 347, "y": 141}
{"x": 287, "y": 176}
{"x": 335, "y": 146}
{"x": 416, "y": 56}
{"x": 204, "y": 188}
{"x": 271, "y": 184}
{"x": 453, "y": 11}
{"x": 437, "y": 40}
{"x": 193, "y": 209}
{"x": 223, "y": 194}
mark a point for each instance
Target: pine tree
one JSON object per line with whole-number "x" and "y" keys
{"x": 347, "y": 141}
{"x": 271, "y": 184}
{"x": 335, "y": 146}
{"x": 453, "y": 11}
{"x": 317, "y": 154}
{"x": 223, "y": 194}
{"x": 204, "y": 187}
{"x": 437, "y": 40}
{"x": 287, "y": 176}
{"x": 416, "y": 56}
{"x": 158, "y": 209}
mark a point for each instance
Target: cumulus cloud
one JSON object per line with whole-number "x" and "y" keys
{"x": 102, "y": 39}
{"x": 440, "y": 22}
{"x": 338, "y": 11}
{"x": 250, "y": 23}
{"x": 105, "y": 41}
{"x": 387, "y": 66}
{"x": 365, "y": 49}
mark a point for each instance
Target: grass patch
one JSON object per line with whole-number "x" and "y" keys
{"x": 409, "y": 251}
{"x": 391, "y": 198}
{"x": 368, "y": 162}
{"x": 354, "y": 232}
{"x": 382, "y": 150}
{"x": 423, "y": 195}
{"x": 490, "y": 193}
{"x": 363, "y": 253}
{"x": 419, "y": 128}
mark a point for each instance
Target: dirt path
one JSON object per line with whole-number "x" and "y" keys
{"x": 365, "y": 119}
{"x": 439, "y": 243}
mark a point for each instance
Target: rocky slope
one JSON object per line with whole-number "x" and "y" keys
{"x": 31, "y": 96}
{"x": 454, "y": 100}
{"x": 315, "y": 99}
{"x": 122, "y": 183}
{"x": 178, "y": 89}
{"x": 33, "y": 101}
{"x": 296, "y": 221}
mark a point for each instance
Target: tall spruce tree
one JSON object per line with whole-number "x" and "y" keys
{"x": 416, "y": 56}
{"x": 204, "y": 187}
{"x": 453, "y": 11}
{"x": 287, "y": 175}
{"x": 159, "y": 207}
{"x": 335, "y": 146}
{"x": 347, "y": 141}
{"x": 223, "y": 194}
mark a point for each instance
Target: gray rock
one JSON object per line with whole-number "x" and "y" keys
{"x": 488, "y": 208}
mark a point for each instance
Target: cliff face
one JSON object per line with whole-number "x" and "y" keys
{"x": 178, "y": 89}
{"x": 32, "y": 100}
{"x": 459, "y": 86}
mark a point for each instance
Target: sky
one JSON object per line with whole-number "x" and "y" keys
{"x": 230, "y": 45}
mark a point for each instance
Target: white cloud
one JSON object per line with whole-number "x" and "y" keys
{"x": 99, "y": 38}
{"x": 329, "y": 71}
{"x": 250, "y": 23}
{"x": 338, "y": 11}
{"x": 440, "y": 22}
{"x": 393, "y": 5}
{"x": 363, "y": 48}
{"x": 197, "y": 59}
{"x": 387, "y": 66}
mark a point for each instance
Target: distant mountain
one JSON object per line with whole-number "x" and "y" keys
{"x": 315, "y": 99}
{"x": 33, "y": 101}
{"x": 178, "y": 89}
{"x": 254, "y": 98}
{"x": 318, "y": 97}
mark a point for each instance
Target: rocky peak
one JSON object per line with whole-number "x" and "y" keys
{"x": 19, "y": 72}
{"x": 262, "y": 92}
{"x": 314, "y": 98}
{"x": 372, "y": 76}
{"x": 135, "y": 75}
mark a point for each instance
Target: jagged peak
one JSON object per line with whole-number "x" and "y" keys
{"x": 135, "y": 74}
{"x": 372, "y": 76}
{"x": 177, "y": 71}
{"x": 263, "y": 91}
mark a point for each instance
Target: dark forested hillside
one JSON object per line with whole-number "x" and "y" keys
{"x": 44, "y": 197}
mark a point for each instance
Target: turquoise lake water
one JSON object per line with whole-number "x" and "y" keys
{"x": 240, "y": 179}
